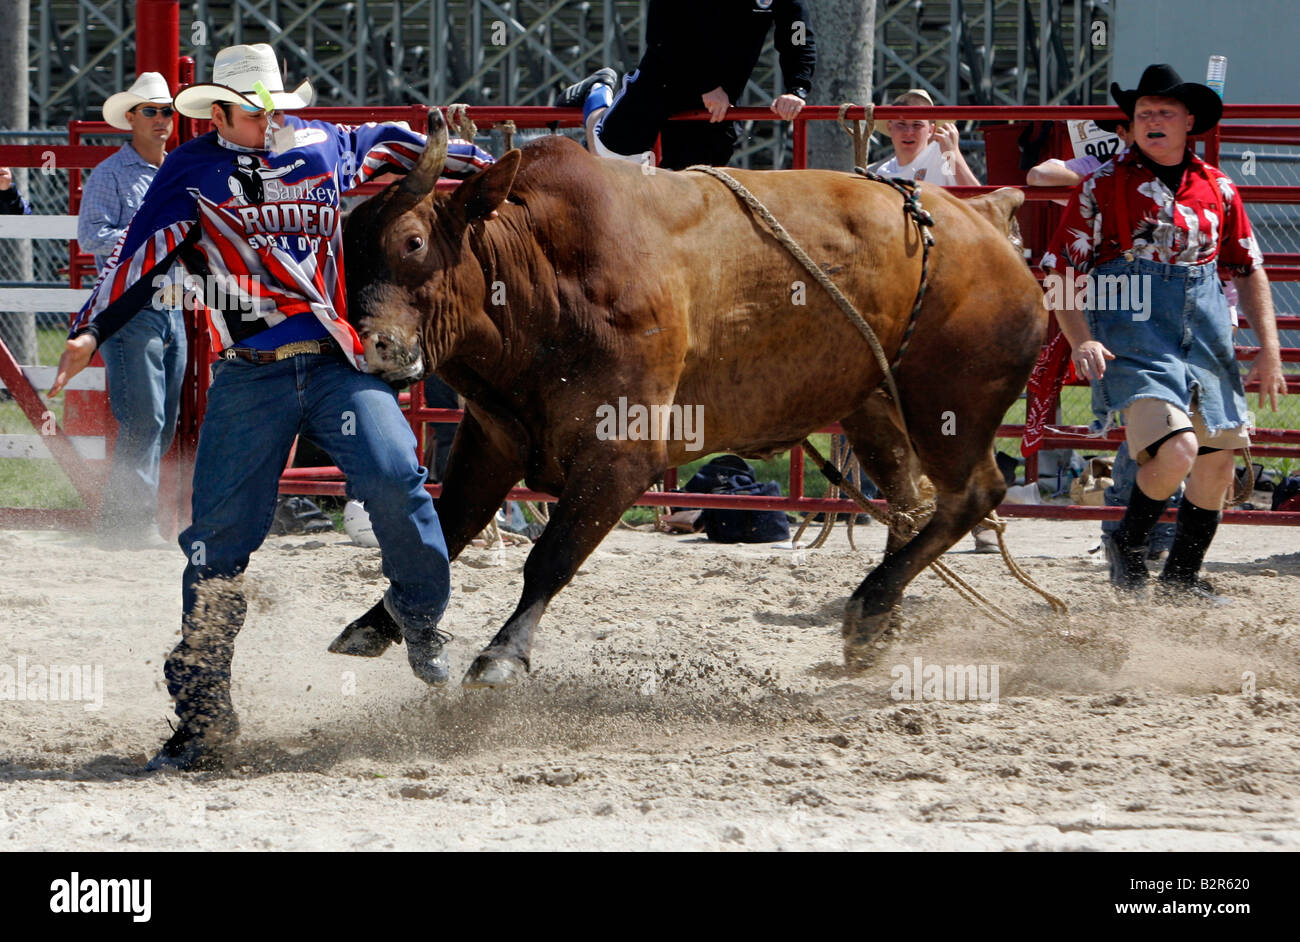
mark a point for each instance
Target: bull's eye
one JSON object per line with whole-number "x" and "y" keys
{"x": 413, "y": 245}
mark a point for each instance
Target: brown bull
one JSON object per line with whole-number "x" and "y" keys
{"x": 595, "y": 281}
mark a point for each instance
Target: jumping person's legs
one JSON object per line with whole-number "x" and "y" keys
{"x": 621, "y": 123}
{"x": 595, "y": 94}
{"x": 685, "y": 143}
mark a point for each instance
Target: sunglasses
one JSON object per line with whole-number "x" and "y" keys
{"x": 154, "y": 112}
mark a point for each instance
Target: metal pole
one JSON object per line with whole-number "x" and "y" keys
{"x": 988, "y": 52}
{"x": 607, "y": 36}
{"x": 954, "y": 47}
{"x": 362, "y": 49}
{"x": 511, "y": 64}
{"x": 476, "y": 52}
{"x": 17, "y": 330}
{"x": 437, "y": 54}
{"x": 1021, "y": 78}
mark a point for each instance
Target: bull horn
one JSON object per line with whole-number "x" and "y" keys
{"x": 424, "y": 175}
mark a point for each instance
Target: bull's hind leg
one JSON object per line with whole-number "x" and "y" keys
{"x": 870, "y": 607}
{"x": 888, "y": 459}
{"x": 994, "y": 340}
{"x": 595, "y": 495}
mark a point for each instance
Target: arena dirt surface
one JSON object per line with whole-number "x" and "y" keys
{"x": 684, "y": 696}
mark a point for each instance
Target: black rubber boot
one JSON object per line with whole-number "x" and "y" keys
{"x": 1181, "y": 576}
{"x": 1128, "y": 566}
{"x": 1126, "y": 550}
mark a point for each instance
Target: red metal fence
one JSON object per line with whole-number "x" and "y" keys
{"x": 320, "y": 481}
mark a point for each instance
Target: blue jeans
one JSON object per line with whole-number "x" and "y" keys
{"x": 254, "y": 411}
{"x": 144, "y": 364}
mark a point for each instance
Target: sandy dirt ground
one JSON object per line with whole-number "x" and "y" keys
{"x": 684, "y": 696}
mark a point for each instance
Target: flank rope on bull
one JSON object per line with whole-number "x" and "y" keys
{"x": 962, "y": 588}
{"x": 910, "y": 192}
{"x": 913, "y": 208}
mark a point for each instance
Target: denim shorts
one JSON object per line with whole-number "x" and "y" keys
{"x": 1171, "y": 335}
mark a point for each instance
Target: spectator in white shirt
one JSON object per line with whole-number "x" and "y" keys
{"x": 924, "y": 151}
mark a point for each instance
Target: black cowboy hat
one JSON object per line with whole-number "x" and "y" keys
{"x": 1162, "y": 81}
{"x": 1111, "y": 126}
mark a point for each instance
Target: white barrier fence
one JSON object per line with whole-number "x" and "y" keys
{"x": 62, "y": 300}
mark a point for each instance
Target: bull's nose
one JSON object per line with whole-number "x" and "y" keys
{"x": 389, "y": 351}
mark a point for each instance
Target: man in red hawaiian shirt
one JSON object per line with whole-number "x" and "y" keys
{"x": 1153, "y": 230}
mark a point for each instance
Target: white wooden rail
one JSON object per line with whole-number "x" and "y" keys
{"x": 63, "y": 300}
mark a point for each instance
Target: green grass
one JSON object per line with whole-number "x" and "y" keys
{"x": 14, "y": 422}
{"x": 37, "y": 482}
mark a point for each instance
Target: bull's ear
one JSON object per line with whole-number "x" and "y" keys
{"x": 478, "y": 196}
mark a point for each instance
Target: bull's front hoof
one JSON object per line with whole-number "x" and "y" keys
{"x": 861, "y": 632}
{"x": 368, "y": 636}
{"x": 494, "y": 671}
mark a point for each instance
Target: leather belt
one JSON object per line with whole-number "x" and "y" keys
{"x": 328, "y": 345}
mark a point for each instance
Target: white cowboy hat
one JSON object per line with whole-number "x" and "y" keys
{"x": 236, "y": 73}
{"x": 149, "y": 89}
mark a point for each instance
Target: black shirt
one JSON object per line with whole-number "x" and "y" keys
{"x": 703, "y": 45}
{"x": 1170, "y": 176}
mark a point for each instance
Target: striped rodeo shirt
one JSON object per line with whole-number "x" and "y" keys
{"x": 269, "y": 229}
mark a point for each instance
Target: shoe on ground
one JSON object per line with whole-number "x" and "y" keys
{"x": 986, "y": 539}
{"x": 1198, "y": 591}
{"x": 131, "y": 539}
{"x": 428, "y": 659}
{"x": 370, "y": 635}
{"x": 1128, "y": 568}
{"x": 426, "y": 656}
{"x": 576, "y": 95}
{"x": 299, "y": 515}
{"x": 196, "y": 747}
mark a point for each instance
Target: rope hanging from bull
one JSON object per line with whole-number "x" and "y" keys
{"x": 859, "y": 131}
{"x": 924, "y": 222}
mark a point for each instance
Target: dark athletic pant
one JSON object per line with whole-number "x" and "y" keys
{"x": 640, "y": 113}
